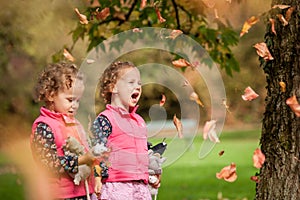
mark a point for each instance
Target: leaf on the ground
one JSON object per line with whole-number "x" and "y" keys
{"x": 263, "y": 51}
{"x": 178, "y": 126}
{"x": 68, "y": 55}
{"x": 194, "y": 97}
{"x": 249, "y": 94}
{"x": 258, "y": 158}
{"x": 209, "y": 131}
{"x": 248, "y": 24}
{"x": 82, "y": 17}
{"x": 294, "y": 105}
{"x": 228, "y": 173}
{"x": 163, "y": 100}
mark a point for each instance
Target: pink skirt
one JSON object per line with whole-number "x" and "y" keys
{"x": 125, "y": 191}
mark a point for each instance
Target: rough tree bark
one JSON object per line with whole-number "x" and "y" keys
{"x": 280, "y": 139}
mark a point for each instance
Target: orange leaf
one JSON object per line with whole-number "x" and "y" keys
{"x": 68, "y": 56}
{"x": 228, "y": 173}
{"x": 194, "y": 97}
{"x": 294, "y": 105}
{"x": 273, "y": 25}
{"x": 282, "y": 86}
{"x": 82, "y": 18}
{"x": 143, "y": 4}
{"x": 288, "y": 13}
{"x": 248, "y": 24}
{"x": 160, "y": 18}
{"x": 209, "y": 131}
{"x": 282, "y": 19}
{"x": 263, "y": 51}
{"x": 163, "y": 100}
{"x": 258, "y": 158}
{"x": 174, "y": 34}
{"x": 249, "y": 94}
{"x": 178, "y": 126}
{"x": 181, "y": 63}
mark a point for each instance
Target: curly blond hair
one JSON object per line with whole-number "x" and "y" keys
{"x": 54, "y": 78}
{"x": 110, "y": 77}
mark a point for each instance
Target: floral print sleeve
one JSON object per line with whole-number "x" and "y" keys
{"x": 45, "y": 150}
{"x": 101, "y": 129}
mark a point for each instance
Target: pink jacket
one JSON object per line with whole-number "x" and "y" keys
{"x": 63, "y": 126}
{"x": 128, "y": 142}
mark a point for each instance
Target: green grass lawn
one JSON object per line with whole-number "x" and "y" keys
{"x": 191, "y": 178}
{"x": 186, "y": 177}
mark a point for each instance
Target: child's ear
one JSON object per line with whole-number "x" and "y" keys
{"x": 114, "y": 90}
{"x": 50, "y": 96}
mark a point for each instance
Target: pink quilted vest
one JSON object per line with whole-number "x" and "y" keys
{"x": 63, "y": 126}
{"x": 128, "y": 142}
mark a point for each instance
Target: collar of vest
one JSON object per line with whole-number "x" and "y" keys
{"x": 122, "y": 111}
{"x": 59, "y": 116}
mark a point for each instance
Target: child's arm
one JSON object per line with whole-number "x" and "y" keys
{"x": 45, "y": 151}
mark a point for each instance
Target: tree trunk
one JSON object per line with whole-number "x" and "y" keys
{"x": 280, "y": 139}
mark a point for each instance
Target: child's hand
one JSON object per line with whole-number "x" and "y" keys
{"x": 87, "y": 159}
{"x": 98, "y": 186}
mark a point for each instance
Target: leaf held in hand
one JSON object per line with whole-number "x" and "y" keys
{"x": 249, "y": 94}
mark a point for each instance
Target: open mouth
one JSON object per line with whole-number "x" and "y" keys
{"x": 135, "y": 95}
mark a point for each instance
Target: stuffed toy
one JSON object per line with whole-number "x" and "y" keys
{"x": 74, "y": 146}
{"x": 155, "y": 171}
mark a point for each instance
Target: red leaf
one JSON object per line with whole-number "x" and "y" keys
{"x": 254, "y": 178}
{"x": 160, "y": 18}
{"x": 181, "y": 63}
{"x": 258, "y": 158}
{"x": 249, "y": 94}
{"x": 163, "y": 100}
{"x": 294, "y": 105}
{"x": 103, "y": 14}
{"x": 228, "y": 173}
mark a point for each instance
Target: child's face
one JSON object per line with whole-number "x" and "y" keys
{"x": 128, "y": 89}
{"x": 67, "y": 101}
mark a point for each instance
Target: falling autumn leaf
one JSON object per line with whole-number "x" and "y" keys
{"x": 181, "y": 63}
{"x": 263, "y": 51}
{"x": 209, "y": 131}
{"x": 281, "y": 6}
{"x": 288, "y": 13}
{"x": 282, "y": 86}
{"x": 137, "y": 30}
{"x": 174, "y": 34}
{"x": 160, "y": 18}
{"x": 272, "y": 21}
{"x": 103, "y": 14}
{"x": 178, "y": 126}
{"x": 258, "y": 158}
{"x": 82, "y": 18}
{"x": 68, "y": 56}
{"x": 143, "y": 4}
{"x": 194, "y": 97}
{"x": 249, "y": 94}
{"x": 294, "y": 105}
{"x": 163, "y": 100}
{"x": 248, "y": 24}
{"x": 221, "y": 153}
{"x": 224, "y": 103}
{"x": 228, "y": 173}
{"x": 254, "y": 178}
{"x": 282, "y": 19}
